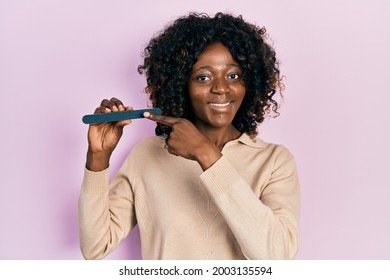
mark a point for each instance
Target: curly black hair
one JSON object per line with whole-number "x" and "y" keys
{"x": 170, "y": 55}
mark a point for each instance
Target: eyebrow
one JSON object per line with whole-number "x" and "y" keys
{"x": 209, "y": 67}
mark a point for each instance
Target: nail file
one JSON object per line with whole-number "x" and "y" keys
{"x": 119, "y": 116}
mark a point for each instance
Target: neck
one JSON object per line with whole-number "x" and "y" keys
{"x": 220, "y": 136}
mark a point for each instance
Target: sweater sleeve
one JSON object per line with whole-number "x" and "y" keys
{"x": 265, "y": 227}
{"x": 106, "y": 214}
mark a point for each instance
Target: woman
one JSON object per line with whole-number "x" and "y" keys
{"x": 205, "y": 187}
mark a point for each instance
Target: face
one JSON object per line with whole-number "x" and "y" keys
{"x": 216, "y": 88}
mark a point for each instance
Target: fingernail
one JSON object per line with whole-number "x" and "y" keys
{"x": 146, "y": 114}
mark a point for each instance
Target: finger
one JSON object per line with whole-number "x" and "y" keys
{"x": 162, "y": 119}
{"x": 123, "y": 123}
{"x": 118, "y": 104}
{"x": 169, "y": 149}
{"x": 109, "y": 104}
{"x": 102, "y": 109}
{"x": 113, "y": 104}
{"x": 172, "y": 153}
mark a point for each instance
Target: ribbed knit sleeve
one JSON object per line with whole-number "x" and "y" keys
{"x": 106, "y": 214}
{"x": 265, "y": 227}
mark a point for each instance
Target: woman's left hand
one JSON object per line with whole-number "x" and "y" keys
{"x": 187, "y": 141}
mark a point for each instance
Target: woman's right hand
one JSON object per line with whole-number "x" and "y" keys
{"x": 103, "y": 137}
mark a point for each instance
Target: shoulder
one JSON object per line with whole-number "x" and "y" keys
{"x": 280, "y": 155}
{"x": 151, "y": 141}
{"x": 144, "y": 153}
{"x": 262, "y": 147}
{"x": 277, "y": 156}
{"x": 148, "y": 146}
{"x": 282, "y": 159}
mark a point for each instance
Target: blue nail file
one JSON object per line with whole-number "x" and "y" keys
{"x": 118, "y": 116}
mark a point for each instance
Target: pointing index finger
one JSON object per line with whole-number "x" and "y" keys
{"x": 161, "y": 118}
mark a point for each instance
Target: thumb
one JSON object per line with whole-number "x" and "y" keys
{"x": 124, "y": 122}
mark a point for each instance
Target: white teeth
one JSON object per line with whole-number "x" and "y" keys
{"x": 219, "y": 104}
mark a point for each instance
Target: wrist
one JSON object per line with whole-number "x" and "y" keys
{"x": 206, "y": 157}
{"x": 97, "y": 161}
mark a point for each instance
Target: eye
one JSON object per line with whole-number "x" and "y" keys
{"x": 233, "y": 76}
{"x": 202, "y": 78}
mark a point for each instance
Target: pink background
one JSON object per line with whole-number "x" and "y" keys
{"x": 58, "y": 59}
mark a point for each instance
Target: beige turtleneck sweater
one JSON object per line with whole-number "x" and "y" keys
{"x": 245, "y": 206}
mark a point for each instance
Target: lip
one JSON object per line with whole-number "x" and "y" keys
{"x": 219, "y": 104}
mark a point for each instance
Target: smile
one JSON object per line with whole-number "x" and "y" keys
{"x": 219, "y": 104}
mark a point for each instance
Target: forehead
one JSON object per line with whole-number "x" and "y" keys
{"x": 215, "y": 54}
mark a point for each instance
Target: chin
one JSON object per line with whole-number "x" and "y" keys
{"x": 220, "y": 123}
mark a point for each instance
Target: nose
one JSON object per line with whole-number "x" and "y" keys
{"x": 220, "y": 86}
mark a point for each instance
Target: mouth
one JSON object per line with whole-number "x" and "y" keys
{"x": 214, "y": 104}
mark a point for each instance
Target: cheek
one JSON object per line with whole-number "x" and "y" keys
{"x": 196, "y": 105}
{"x": 240, "y": 93}
{"x": 197, "y": 95}
{"x": 199, "y": 109}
